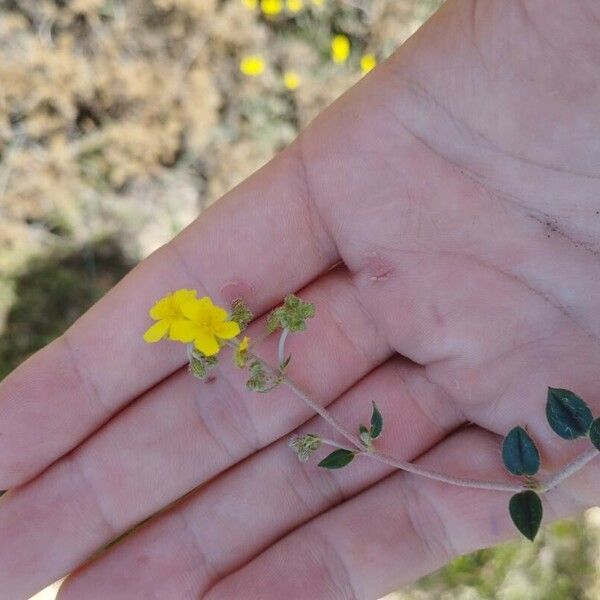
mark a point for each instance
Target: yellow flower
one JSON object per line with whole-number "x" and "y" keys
{"x": 206, "y": 324}
{"x": 367, "y": 63}
{"x": 167, "y": 312}
{"x": 271, "y": 7}
{"x": 294, "y": 6}
{"x": 252, "y": 65}
{"x": 340, "y": 48}
{"x": 241, "y": 352}
{"x": 250, "y": 4}
{"x": 291, "y": 80}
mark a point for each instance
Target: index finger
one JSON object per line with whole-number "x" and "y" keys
{"x": 261, "y": 241}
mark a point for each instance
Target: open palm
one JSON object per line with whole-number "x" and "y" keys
{"x": 443, "y": 216}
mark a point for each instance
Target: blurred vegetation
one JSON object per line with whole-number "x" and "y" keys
{"x": 120, "y": 120}
{"x": 52, "y": 292}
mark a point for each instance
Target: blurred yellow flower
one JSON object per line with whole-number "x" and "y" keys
{"x": 250, "y": 4}
{"x": 271, "y": 7}
{"x": 204, "y": 324}
{"x": 294, "y": 6}
{"x": 252, "y": 65}
{"x": 167, "y": 312}
{"x": 367, "y": 63}
{"x": 340, "y": 48}
{"x": 291, "y": 80}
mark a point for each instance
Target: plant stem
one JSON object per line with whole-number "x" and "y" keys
{"x": 571, "y": 468}
{"x": 281, "y": 349}
{"x": 550, "y": 483}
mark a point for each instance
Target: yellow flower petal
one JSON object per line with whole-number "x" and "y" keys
{"x": 192, "y": 309}
{"x": 162, "y": 309}
{"x": 227, "y": 330}
{"x": 183, "y": 331}
{"x": 207, "y": 343}
{"x": 157, "y": 331}
{"x": 181, "y": 296}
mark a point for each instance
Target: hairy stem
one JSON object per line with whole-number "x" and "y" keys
{"x": 571, "y": 468}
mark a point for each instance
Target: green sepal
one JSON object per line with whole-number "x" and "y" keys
{"x": 291, "y": 315}
{"x": 337, "y": 459}
{"x": 200, "y": 365}
{"x": 568, "y": 415}
{"x": 595, "y": 433}
{"x": 519, "y": 453}
{"x": 376, "y": 422}
{"x": 260, "y": 380}
{"x": 240, "y": 313}
{"x": 526, "y": 512}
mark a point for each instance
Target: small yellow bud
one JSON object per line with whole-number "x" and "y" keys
{"x": 241, "y": 352}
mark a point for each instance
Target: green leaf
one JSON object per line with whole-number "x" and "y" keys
{"x": 568, "y": 415}
{"x": 595, "y": 433}
{"x": 526, "y": 513}
{"x": 376, "y": 422}
{"x": 519, "y": 453}
{"x": 284, "y": 365}
{"x": 337, "y": 459}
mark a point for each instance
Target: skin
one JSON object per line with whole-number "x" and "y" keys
{"x": 443, "y": 217}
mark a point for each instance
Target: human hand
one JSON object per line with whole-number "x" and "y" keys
{"x": 455, "y": 190}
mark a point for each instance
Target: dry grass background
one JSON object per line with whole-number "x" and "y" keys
{"x": 120, "y": 120}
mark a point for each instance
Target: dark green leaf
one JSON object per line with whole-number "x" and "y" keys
{"x": 595, "y": 433}
{"x": 283, "y": 366}
{"x": 376, "y": 422}
{"x": 519, "y": 453}
{"x": 526, "y": 513}
{"x": 337, "y": 459}
{"x": 568, "y": 415}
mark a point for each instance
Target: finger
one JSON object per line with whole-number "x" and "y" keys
{"x": 261, "y": 241}
{"x": 391, "y": 534}
{"x": 177, "y": 436}
{"x": 232, "y": 519}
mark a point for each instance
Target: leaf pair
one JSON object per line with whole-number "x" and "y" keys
{"x": 342, "y": 457}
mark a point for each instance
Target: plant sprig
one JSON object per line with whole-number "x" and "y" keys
{"x": 182, "y": 317}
